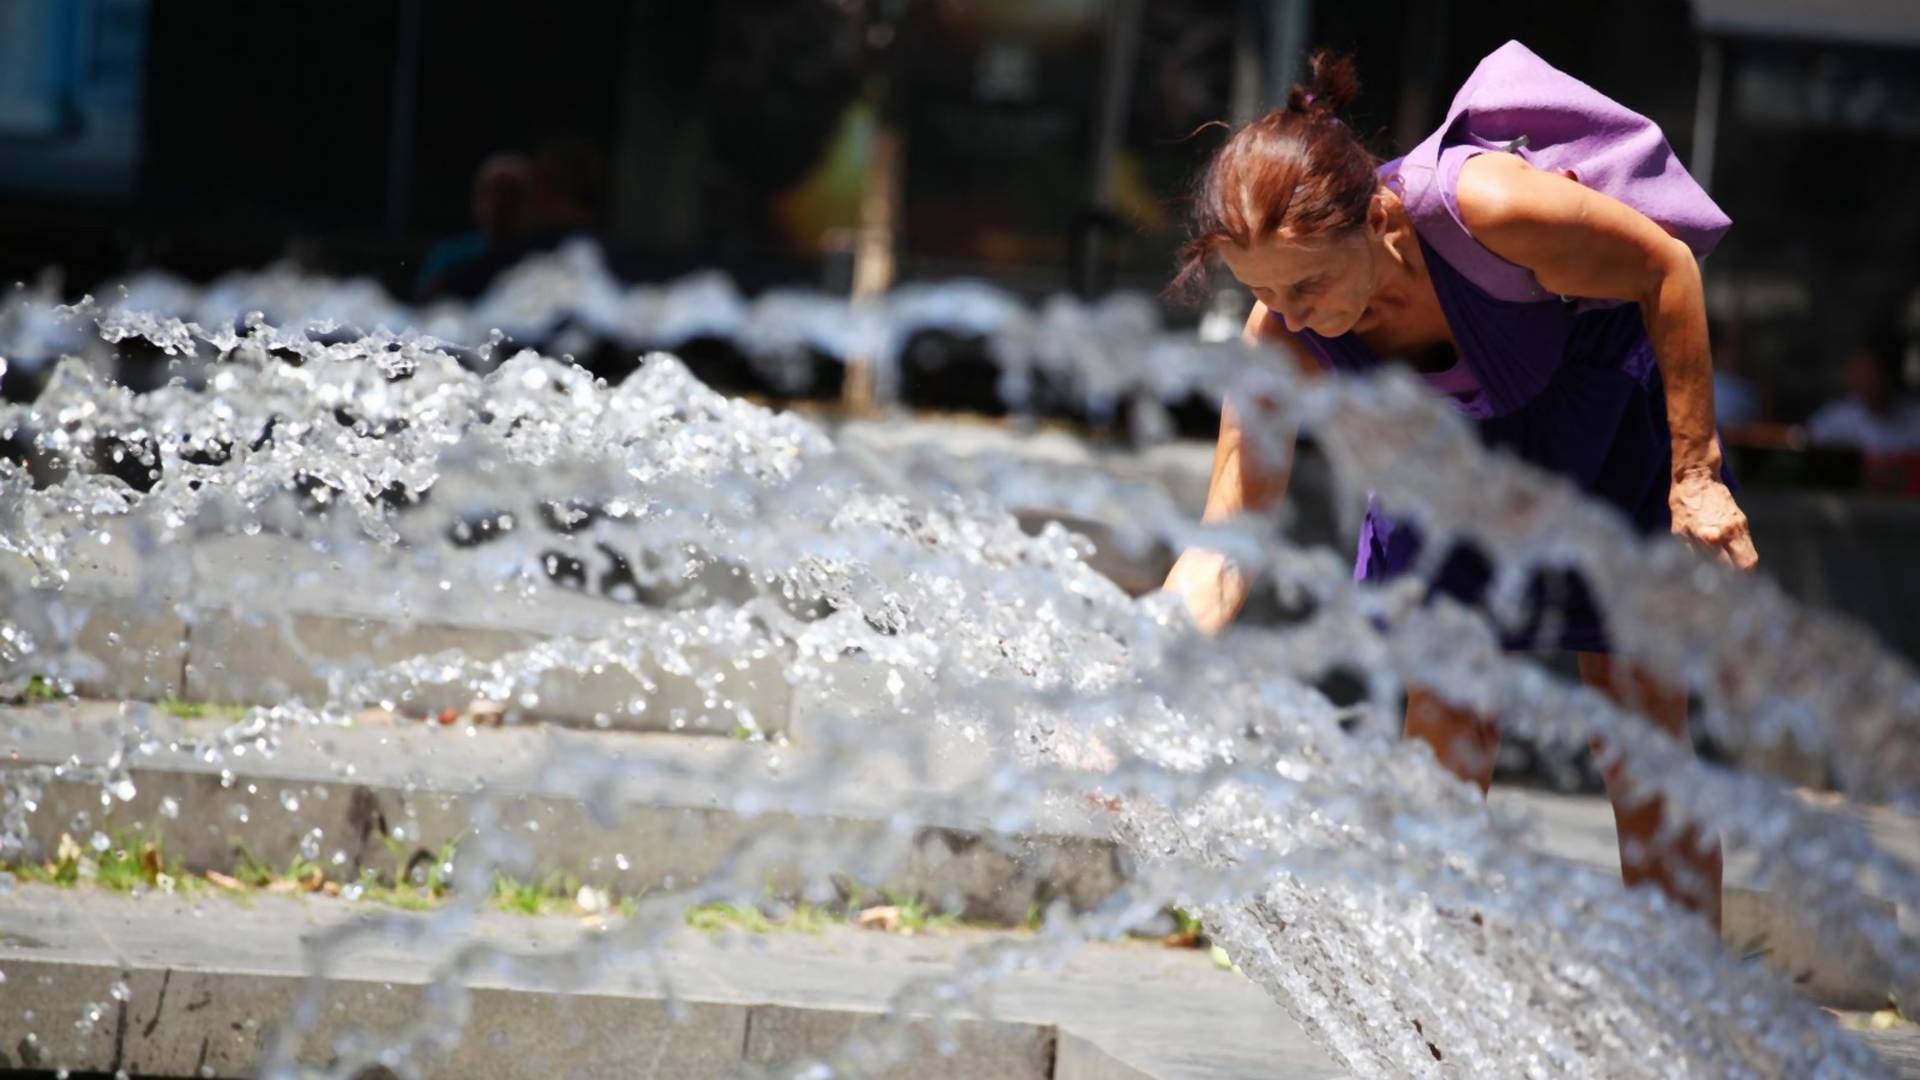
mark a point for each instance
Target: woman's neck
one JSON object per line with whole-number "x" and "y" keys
{"x": 1404, "y": 314}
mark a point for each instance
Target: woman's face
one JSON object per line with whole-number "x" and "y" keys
{"x": 1320, "y": 283}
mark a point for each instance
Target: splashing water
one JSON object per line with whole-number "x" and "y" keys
{"x": 1363, "y": 887}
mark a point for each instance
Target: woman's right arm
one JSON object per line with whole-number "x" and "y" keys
{"x": 1213, "y": 588}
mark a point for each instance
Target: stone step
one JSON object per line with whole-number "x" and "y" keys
{"x": 195, "y": 628}
{"x": 368, "y": 788}
{"x": 204, "y": 982}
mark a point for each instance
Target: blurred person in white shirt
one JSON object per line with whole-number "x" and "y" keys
{"x": 1874, "y": 417}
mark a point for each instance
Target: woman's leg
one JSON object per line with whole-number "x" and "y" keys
{"x": 1464, "y": 741}
{"x": 1686, "y": 867}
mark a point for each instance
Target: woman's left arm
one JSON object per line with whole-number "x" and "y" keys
{"x": 1579, "y": 242}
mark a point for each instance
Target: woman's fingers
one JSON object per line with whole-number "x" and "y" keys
{"x": 1730, "y": 544}
{"x": 1741, "y": 552}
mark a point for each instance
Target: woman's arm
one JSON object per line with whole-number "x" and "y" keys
{"x": 1213, "y": 588}
{"x": 1579, "y": 242}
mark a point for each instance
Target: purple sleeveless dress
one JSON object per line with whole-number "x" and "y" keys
{"x": 1567, "y": 384}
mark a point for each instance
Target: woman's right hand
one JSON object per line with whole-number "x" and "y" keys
{"x": 1213, "y": 589}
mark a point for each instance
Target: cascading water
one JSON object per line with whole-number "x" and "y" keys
{"x": 1371, "y": 894}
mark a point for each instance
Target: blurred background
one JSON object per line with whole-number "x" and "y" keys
{"x": 1041, "y": 145}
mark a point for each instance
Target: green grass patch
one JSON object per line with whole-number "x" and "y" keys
{"x": 181, "y": 709}
{"x": 552, "y": 893}
{"x": 36, "y": 690}
{"x": 128, "y": 863}
{"x": 419, "y": 880}
{"x": 799, "y": 918}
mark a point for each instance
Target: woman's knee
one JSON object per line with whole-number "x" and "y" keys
{"x": 1465, "y": 742}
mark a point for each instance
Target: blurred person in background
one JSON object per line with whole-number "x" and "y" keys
{"x": 1738, "y": 401}
{"x": 521, "y": 206}
{"x": 1874, "y": 417}
{"x": 462, "y": 266}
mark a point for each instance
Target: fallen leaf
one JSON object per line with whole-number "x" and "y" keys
{"x": 885, "y": 918}
{"x": 223, "y": 880}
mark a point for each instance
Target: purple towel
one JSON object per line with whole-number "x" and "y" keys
{"x": 1515, "y": 100}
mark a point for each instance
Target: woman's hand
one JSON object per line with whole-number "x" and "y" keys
{"x": 1705, "y": 513}
{"x": 1212, "y": 588}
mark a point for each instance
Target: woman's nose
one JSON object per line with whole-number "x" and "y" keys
{"x": 1295, "y": 323}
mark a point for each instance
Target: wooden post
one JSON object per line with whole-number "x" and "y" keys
{"x": 873, "y": 254}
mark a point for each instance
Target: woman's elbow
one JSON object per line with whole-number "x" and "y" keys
{"x": 1674, "y": 270}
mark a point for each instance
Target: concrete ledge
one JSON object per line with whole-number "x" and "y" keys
{"x": 180, "y": 1022}
{"x": 182, "y": 622}
{"x": 203, "y": 984}
{"x": 778, "y": 1034}
{"x": 359, "y": 786}
{"x": 1834, "y": 966}
{"x": 249, "y": 660}
{"x": 339, "y": 796}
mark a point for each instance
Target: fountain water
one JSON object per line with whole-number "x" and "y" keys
{"x": 1372, "y": 895}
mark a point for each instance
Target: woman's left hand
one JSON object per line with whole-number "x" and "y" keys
{"x": 1704, "y": 512}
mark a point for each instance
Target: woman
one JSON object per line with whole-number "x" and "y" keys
{"x": 1567, "y": 323}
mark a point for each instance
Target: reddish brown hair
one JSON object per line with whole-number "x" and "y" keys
{"x": 1297, "y": 167}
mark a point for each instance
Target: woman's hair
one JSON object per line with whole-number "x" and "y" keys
{"x": 1297, "y": 167}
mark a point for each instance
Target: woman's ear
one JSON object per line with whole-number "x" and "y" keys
{"x": 1378, "y": 217}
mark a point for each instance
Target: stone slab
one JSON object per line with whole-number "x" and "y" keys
{"x": 191, "y": 624}
{"x": 363, "y": 797}
{"x": 253, "y": 660}
{"x": 207, "y": 981}
{"x": 1838, "y": 969}
{"x": 964, "y": 1050}
{"x": 183, "y": 1021}
{"x": 415, "y": 784}
{"x": 127, "y": 648}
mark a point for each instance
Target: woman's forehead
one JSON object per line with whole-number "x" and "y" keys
{"x": 1280, "y": 256}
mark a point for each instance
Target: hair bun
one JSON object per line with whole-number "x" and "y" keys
{"x": 1331, "y": 85}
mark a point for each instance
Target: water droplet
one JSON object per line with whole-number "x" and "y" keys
{"x": 290, "y": 800}
{"x": 119, "y": 991}
{"x": 169, "y": 807}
